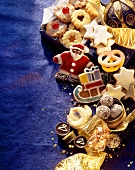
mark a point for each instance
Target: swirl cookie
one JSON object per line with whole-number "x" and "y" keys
{"x": 71, "y": 37}
{"x": 56, "y": 28}
{"x": 64, "y": 11}
{"x": 79, "y": 18}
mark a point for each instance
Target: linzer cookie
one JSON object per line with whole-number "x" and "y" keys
{"x": 62, "y": 128}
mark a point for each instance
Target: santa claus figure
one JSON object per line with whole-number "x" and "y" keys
{"x": 72, "y": 63}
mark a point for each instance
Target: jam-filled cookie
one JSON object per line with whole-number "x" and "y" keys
{"x": 79, "y": 18}
{"x": 64, "y": 12}
{"x": 56, "y": 28}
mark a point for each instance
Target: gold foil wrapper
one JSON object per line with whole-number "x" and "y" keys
{"x": 82, "y": 161}
{"x": 123, "y": 36}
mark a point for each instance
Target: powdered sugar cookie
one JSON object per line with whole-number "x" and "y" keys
{"x": 125, "y": 77}
{"x": 130, "y": 92}
{"x": 79, "y": 18}
{"x": 64, "y": 12}
{"x": 79, "y": 116}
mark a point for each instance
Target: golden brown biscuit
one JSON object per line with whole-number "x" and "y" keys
{"x": 79, "y": 18}
{"x": 71, "y": 37}
{"x": 91, "y": 11}
{"x": 78, "y": 3}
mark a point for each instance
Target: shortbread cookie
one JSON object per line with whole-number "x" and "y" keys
{"x": 71, "y": 37}
{"x": 78, "y": 3}
{"x": 72, "y": 27}
{"x": 91, "y": 11}
{"x": 64, "y": 11}
{"x": 79, "y": 18}
{"x": 56, "y": 28}
{"x": 125, "y": 77}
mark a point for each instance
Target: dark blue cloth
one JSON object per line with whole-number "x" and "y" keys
{"x": 32, "y": 102}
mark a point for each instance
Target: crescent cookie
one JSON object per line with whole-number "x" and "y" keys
{"x": 79, "y": 116}
{"x": 79, "y": 18}
{"x": 64, "y": 11}
{"x": 71, "y": 37}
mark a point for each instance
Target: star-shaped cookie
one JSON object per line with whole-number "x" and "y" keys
{"x": 125, "y": 77}
{"x": 100, "y": 35}
{"x": 90, "y": 28}
{"x": 115, "y": 91}
{"x": 130, "y": 92}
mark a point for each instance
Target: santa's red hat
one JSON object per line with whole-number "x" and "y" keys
{"x": 80, "y": 47}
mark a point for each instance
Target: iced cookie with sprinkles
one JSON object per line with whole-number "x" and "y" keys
{"x": 91, "y": 86}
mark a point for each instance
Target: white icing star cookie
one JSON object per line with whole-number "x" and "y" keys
{"x": 125, "y": 77}
{"x": 101, "y": 48}
{"x": 115, "y": 91}
{"x": 100, "y": 35}
{"x": 130, "y": 92}
{"x": 89, "y": 28}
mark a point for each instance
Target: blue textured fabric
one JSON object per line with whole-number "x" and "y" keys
{"x": 32, "y": 102}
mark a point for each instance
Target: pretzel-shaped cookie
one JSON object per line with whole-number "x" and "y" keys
{"x": 111, "y": 60}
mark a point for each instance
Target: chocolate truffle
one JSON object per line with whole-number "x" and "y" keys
{"x": 80, "y": 141}
{"x": 106, "y": 100}
{"x": 116, "y": 110}
{"x": 103, "y": 111}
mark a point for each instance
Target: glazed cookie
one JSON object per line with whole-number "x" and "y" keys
{"x": 79, "y": 18}
{"x": 56, "y": 28}
{"x": 71, "y": 37}
{"x": 64, "y": 11}
{"x": 78, "y": 3}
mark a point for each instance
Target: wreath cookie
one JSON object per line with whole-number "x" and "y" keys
{"x": 71, "y": 37}
{"x": 79, "y": 18}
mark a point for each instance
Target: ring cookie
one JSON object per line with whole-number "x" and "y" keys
{"x": 56, "y": 28}
{"x": 79, "y": 18}
{"x": 111, "y": 60}
{"x": 64, "y": 11}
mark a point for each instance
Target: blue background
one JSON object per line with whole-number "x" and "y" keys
{"x": 32, "y": 102}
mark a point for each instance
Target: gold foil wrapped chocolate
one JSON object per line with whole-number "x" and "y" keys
{"x": 82, "y": 161}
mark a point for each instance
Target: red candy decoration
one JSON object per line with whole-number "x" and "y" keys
{"x": 65, "y": 10}
{"x": 55, "y": 25}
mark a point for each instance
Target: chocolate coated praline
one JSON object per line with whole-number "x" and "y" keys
{"x": 62, "y": 128}
{"x": 80, "y": 142}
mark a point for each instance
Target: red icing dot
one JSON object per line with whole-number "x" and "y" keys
{"x": 55, "y": 25}
{"x": 65, "y": 10}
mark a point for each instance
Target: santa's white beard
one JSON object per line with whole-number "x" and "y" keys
{"x": 75, "y": 56}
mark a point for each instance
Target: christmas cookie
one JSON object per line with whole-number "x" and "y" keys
{"x": 79, "y": 18}
{"x": 56, "y": 28}
{"x": 78, "y": 3}
{"x": 91, "y": 11}
{"x": 125, "y": 77}
{"x": 64, "y": 11}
